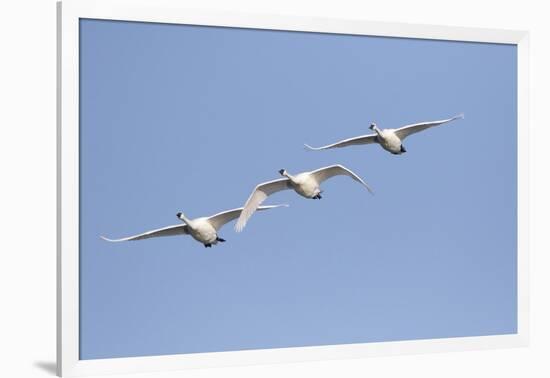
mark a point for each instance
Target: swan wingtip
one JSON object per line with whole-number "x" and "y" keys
{"x": 277, "y": 205}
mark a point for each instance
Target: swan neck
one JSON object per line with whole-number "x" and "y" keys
{"x": 289, "y": 176}
{"x": 186, "y": 220}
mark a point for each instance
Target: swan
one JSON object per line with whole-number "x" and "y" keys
{"x": 390, "y": 139}
{"x": 203, "y": 230}
{"x": 306, "y": 184}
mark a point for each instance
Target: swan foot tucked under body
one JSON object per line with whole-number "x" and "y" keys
{"x": 401, "y": 151}
{"x": 318, "y": 196}
{"x": 218, "y": 239}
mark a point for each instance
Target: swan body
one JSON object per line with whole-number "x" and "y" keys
{"x": 306, "y": 184}
{"x": 389, "y": 139}
{"x": 303, "y": 184}
{"x": 203, "y": 229}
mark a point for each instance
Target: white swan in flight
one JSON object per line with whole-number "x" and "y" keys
{"x": 390, "y": 139}
{"x": 204, "y": 230}
{"x": 306, "y": 184}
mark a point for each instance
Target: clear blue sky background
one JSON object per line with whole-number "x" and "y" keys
{"x": 187, "y": 118}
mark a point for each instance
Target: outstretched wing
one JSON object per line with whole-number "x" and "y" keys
{"x": 405, "y": 131}
{"x": 179, "y": 229}
{"x": 363, "y": 139}
{"x": 325, "y": 173}
{"x": 260, "y": 193}
{"x": 218, "y": 220}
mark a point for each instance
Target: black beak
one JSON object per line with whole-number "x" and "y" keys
{"x": 178, "y": 215}
{"x": 281, "y": 171}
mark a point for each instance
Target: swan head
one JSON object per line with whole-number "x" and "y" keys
{"x": 282, "y": 172}
{"x": 373, "y": 126}
{"x": 180, "y": 215}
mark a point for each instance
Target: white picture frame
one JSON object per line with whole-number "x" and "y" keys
{"x": 169, "y": 11}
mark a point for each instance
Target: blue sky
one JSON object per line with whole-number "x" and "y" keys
{"x": 189, "y": 118}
